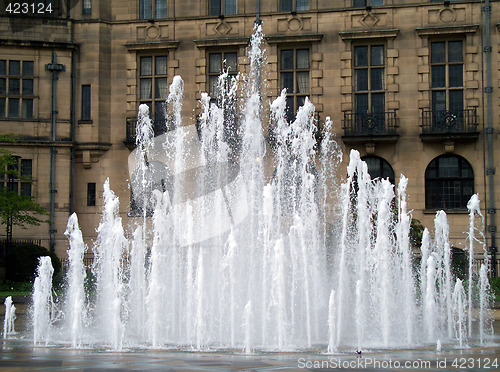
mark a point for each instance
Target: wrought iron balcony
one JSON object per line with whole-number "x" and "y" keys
{"x": 440, "y": 125}
{"x": 370, "y": 127}
{"x": 159, "y": 127}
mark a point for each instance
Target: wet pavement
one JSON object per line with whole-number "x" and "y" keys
{"x": 17, "y": 353}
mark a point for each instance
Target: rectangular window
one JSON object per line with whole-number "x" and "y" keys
{"x": 221, "y": 7}
{"x": 217, "y": 62}
{"x": 87, "y": 7}
{"x": 18, "y": 176}
{"x": 363, "y": 3}
{"x": 152, "y": 9}
{"x": 91, "y": 193}
{"x": 16, "y": 89}
{"x": 86, "y": 102}
{"x": 447, "y": 79}
{"x": 293, "y": 5}
{"x": 294, "y": 77}
{"x": 153, "y": 89}
{"x": 369, "y": 79}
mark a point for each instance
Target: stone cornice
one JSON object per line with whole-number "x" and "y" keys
{"x": 447, "y": 30}
{"x": 154, "y": 45}
{"x": 369, "y": 34}
{"x": 302, "y": 38}
{"x": 223, "y": 41}
{"x": 39, "y": 44}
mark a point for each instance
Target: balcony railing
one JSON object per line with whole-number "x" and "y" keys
{"x": 158, "y": 128}
{"x": 364, "y": 125}
{"x": 449, "y": 121}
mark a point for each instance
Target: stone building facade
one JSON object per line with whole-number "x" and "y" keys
{"x": 405, "y": 82}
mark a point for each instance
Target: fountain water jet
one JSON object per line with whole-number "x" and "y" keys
{"x": 235, "y": 260}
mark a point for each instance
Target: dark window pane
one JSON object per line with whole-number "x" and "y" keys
{"x": 212, "y": 86}
{"x": 146, "y": 91}
{"x": 27, "y": 109}
{"x": 26, "y": 188}
{"x": 302, "y": 58}
{"x": 13, "y": 107}
{"x": 361, "y": 56}
{"x": 377, "y": 55}
{"x": 287, "y": 59}
{"x": 231, "y": 62}
{"x": 302, "y": 5}
{"x": 26, "y": 168}
{"x": 146, "y": 67}
{"x": 361, "y": 103}
{"x": 215, "y": 63}
{"x": 87, "y": 7}
{"x": 160, "y": 8}
{"x": 456, "y": 100}
{"x": 286, "y": 5}
{"x": 2, "y": 107}
{"x": 448, "y": 167}
{"x": 27, "y": 68}
{"x": 27, "y": 87}
{"x": 290, "y": 113}
{"x": 145, "y": 9}
{"x": 3, "y": 86}
{"x": 455, "y": 75}
{"x": 377, "y": 78}
{"x": 159, "y": 112}
{"x": 376, "y": 2}
{"x": 438, "y": 76}
{"x": 3, "y": 67}
{"x": 302, "y": 82}
{"x": 14, "y": 68}
{"x": 359, "y": 3}
{"x": 360, "y": 80}
{"x": 91, "y": 194}
{"x": 161, "y": 88}
{"x": 161, "y": 65}
{"x": 378, "y": 102}
{"x": 13, "y": 186}
{"x": 214, "y": 7}
{"x": 86, "y": 102}
{"x": 229, "y": 7}
{"x": 300, "y": 101}
{"x": 438, "y": 101}
{"x": 15, "y": 86}
{"x": 455, "y": 53}
{"x": 438, "y": 52}
{"x": 287, "y": 81}
{"x": 379, "y": 168}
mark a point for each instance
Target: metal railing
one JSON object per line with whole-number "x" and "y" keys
{"x": 449, "y": 121}
{"x": 159, "y": 127}
{"x": 370, "y": 123}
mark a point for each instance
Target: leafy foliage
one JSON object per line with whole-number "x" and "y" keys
{"x": 21, "y": 262}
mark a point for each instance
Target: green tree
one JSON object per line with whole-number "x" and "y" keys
{"x": 15, "y": 209}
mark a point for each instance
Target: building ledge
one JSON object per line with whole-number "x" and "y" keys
{"x": 39, "y": 44}
{"x": 443, "y": 137}
{"x": 447, "y": 30}
{"x": 302, "y": 38}
{"x": 222, "y": 41}
{"x": 154, "y": 45}
{"x": 369, "y": 34}
{"x": 360, "y": 139}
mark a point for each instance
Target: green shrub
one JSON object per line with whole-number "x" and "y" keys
{"x": 21, "y": 262}
{"x": 495, "y": 286}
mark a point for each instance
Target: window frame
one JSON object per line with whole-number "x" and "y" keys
{"x": 446, "y": 65}
{"x": 219, "y": 7}
{"x": 292, "y": 6}
{"x": 388, "y": 172}
{"x": 6, "y": 97}
{"x": 153, "y": 3}
{"x": 369, "y": 67}
{"x": 295, "y": 96}
{"x": 213, "y": 74}
{"x": 367, "y": 3}
{"x": 440, "y": 182}
{"x": 91, "y": 194}
{"x": 21, "y": 180}
{"x": 86, "y": 7}
{"x": 86, "y": 107}
{"x": 153, "y": 100}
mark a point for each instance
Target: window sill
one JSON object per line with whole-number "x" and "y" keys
{"x": 85, "y": 121}
{"x": 447, "y": 211}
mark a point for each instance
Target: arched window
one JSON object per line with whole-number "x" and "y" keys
{"x": 378, "y": 168}
{"x": 449, "y": 183}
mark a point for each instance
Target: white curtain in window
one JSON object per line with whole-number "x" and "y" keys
{"x": 145, "y": 9}
{"x": 145, "y": 88}
{"x": 161, "y": 88}
{"x": 302, "y": 82}
{"x": 161, "y": 9}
